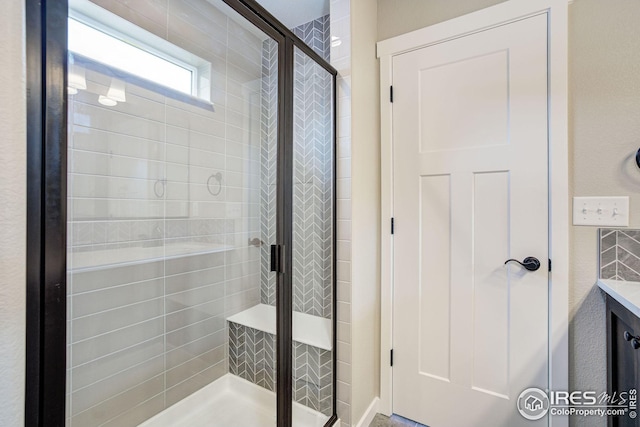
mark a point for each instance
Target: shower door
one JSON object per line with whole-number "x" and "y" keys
{"x": 313, "y": 220}
{"x": 182, "y": 229}
{"x": 172, "y": 207}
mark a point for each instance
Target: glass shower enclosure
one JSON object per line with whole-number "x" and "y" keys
{"x": 200, "y": 217}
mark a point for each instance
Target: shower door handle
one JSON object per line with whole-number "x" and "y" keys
{"x": 277, "y": 258}
{"x": 274, "y": 257}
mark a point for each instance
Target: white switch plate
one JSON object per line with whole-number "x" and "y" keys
{"x": 601, "y": 211}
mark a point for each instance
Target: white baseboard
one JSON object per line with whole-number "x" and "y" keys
{"x": 368, "y": 415}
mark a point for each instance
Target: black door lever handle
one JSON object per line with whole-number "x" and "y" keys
{"x": 530, "y": 263}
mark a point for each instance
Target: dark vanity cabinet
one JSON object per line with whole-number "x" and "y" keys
{"x": 623, "y": 356}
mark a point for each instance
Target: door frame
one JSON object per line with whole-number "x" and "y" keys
{"x": 501, "y": 14}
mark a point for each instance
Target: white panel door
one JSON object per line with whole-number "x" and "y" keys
{"x": 470, "y": 191}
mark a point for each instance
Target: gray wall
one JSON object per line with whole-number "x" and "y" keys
{"x": 12, "y": 214}
{"x": 604, "y": 41}
{"x": 397, "y": 17}
{"x": 365, "y": 210}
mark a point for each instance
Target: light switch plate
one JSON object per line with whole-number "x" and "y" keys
{"x": 601, "y": 211}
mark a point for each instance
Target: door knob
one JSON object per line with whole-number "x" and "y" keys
{"x": 628, "y": 336}
{"x": 635, "y": 343}
{"x": 530, "y": 263}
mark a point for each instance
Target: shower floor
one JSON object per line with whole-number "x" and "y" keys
{"x": 232, "y": 402}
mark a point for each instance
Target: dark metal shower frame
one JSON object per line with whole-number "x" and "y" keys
{"x": 46, "y": 66}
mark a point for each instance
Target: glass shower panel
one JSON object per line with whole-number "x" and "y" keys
{"x": 313, "y": 228}
{"x": 171, "y": 211}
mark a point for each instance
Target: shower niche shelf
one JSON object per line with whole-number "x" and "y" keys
{"x": 119, "y": 257}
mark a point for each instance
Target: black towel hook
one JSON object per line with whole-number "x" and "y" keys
{"x": 638, "y": 157}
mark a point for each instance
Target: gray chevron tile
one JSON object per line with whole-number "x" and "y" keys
{"x": 252, "y": 356}
{"x": 627, "y": 273}
{"x": 268, "y": 153}
{"x": 634, "y": 234}
{"x": 252, "y": 353}
{"x": 619, "y": 254}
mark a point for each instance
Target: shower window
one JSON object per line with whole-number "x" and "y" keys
{"x": 98, "y": 36}
{"x": 102, "y": 47}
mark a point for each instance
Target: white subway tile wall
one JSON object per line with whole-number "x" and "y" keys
{"x": 143, "y": 182}
{"x": 340, "y": 23}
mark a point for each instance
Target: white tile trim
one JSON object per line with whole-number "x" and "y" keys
{"x": 369, "y": 414}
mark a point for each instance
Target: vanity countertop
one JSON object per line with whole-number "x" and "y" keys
{"x": 626, "y": 293}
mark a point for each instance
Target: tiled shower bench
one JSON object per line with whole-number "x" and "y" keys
{"x": 252, "y": 354}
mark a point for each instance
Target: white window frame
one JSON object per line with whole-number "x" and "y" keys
{"x": 114, "y": 26}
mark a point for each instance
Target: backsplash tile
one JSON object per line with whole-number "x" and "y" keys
{"x": 620, "y": 254}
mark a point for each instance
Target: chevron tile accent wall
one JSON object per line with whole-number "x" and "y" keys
{"x": 312, "y": 377}
{"x": 252, "y": 352}
{"x": 316, "y": 35}
{"x": 268, "y": 158}
{"x": 313, "y": 172}
{"x": 313, "y": 185}
{"x": 620, "y": 254}
{"x": 252, "y": 356}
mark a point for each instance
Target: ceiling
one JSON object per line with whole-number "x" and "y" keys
{"x": 293, "y": 13}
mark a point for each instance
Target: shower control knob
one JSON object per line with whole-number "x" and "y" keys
{"x": 256, "y": 242}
